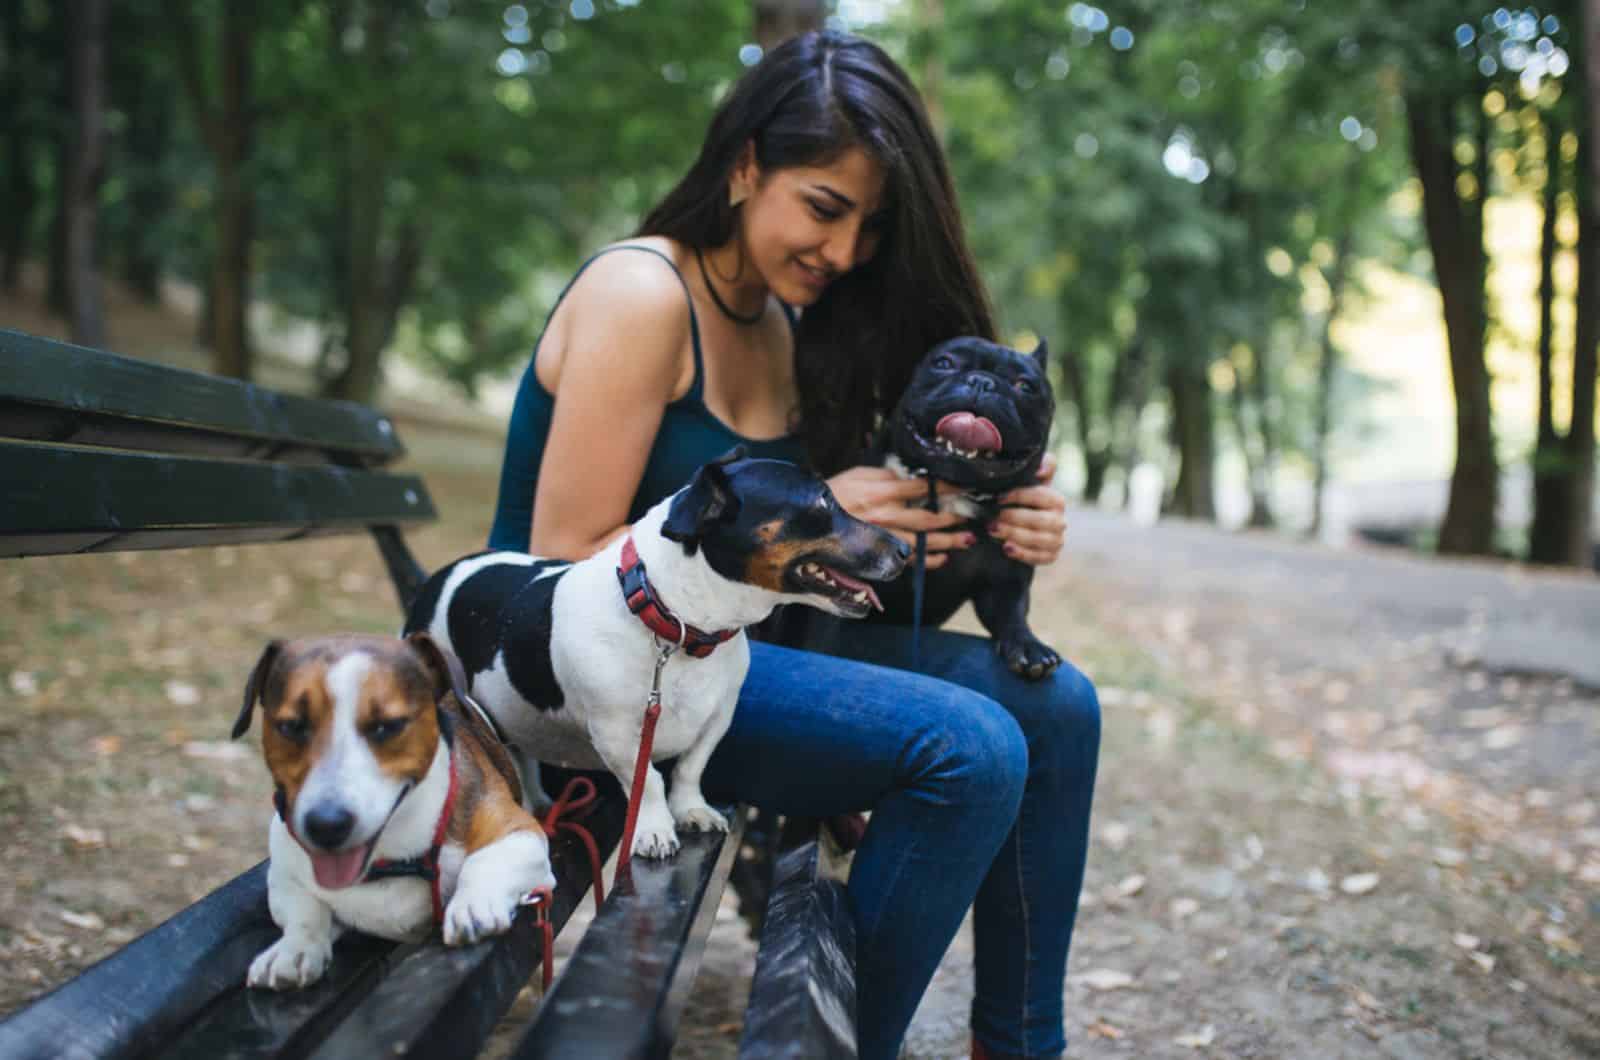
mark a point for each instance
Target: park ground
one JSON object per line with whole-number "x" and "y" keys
{"x": 1347, "y": 801}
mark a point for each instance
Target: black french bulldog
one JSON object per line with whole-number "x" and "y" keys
{"x": 976, "y": 415}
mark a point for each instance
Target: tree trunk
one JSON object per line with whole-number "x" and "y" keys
{"x": 58, "y": 290}
{"x": 778, "y": 20}
{"x": 227, "y": 131}
{"x": 1192, "y": 494}
{"x": 148, "y": 139}
{"x": 1327, "y": 362}
{"x": 367, "y": 162}
{"x": 87, "y": 316}
{"x": 1455, "y": 237}
{"x": 21, "y": 193}
{"x": 1551, "y": 493}
{"x": 1580, "y": 440}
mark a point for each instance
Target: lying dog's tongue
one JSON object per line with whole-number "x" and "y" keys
{"x": 337, "y": 871}
{"x": 855, "y": 586}
{"x": 968, "y": 431}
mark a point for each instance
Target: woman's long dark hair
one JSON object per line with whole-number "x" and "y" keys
{"x": 805, "y": 103}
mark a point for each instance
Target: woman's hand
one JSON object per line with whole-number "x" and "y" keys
{"x": 879, "y": 496}
{"x": 1033, "y": 526}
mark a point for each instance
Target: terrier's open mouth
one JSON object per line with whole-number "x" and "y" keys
{"x": 851, "y": 595}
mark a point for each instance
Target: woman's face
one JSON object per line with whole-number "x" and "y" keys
{"x": 804, "y": 226}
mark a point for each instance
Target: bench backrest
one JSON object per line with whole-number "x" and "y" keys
{"x": 102, "y": 453}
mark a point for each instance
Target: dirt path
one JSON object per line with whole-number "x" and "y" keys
{"x": 1317, "y": 835}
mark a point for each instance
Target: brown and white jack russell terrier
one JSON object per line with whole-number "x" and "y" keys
{"x": 397, "y": 806}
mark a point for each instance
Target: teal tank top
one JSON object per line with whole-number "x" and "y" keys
{"x": 689, "y": 437}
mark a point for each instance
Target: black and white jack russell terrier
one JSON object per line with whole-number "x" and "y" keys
{"x": 562, "y": 654}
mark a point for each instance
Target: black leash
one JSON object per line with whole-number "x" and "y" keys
{"x": 919, "y": 578}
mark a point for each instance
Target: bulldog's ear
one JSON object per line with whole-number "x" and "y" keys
{"x": 252, "y": 687}
{"x": 706, "y": 499}
{"x": 1041, "y": 354}
{"x": 447, "y": 671}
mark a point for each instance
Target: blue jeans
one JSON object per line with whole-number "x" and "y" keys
{"x": 980, "y": 786}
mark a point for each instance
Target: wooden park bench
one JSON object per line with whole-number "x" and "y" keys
{"x": 101, "y": 453}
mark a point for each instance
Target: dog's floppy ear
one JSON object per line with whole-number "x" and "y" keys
{"x": 252, "y": 687}
{"x": 448, "y": 673}
{"x": 1041, "y": 354}
{"x": 707, "y": 498}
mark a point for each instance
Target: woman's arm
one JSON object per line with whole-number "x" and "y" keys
{"x": 625, "y": 331}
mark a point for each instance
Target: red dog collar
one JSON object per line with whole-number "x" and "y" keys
{"x": 642, "y": 600}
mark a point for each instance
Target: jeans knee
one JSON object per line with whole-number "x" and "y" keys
{"x": 975, "y": 752}
{"x": 1061, "y": 716}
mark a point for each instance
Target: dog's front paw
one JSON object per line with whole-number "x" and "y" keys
{"x": 1026, "y": 655}
{"x": 290, "y": 963}
{"x": 654, "y": 836}
{"x": 477, "y": 913}
{"x": 696, "y": 815}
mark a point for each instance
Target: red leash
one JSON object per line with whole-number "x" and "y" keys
{"x": 577, "y": 800}
{"x": 647, "y": 738}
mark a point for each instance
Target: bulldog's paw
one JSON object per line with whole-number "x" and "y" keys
{"x": 477, "y": 913}
{"x": 696, "y": 815}
{"x": 654, "y": 836}
{"x": 1026, "y": 655}
{"x": 290, "y": 963}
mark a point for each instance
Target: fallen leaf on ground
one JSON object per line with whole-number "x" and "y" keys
{"x": 1482, "y": 960}
{"x": 86, "y": 838}
{"x": 1115, "y": 835}
{"x": 1184, "y": 907}
{"x": 1199, "y": 1039}
{"x": 107, "y": 745}
{"x": 181, "y": 693}
{"x": 1131, "y": 886}
{"x": 87, "y": 921}
{"x": 1448, "y": 857}
{"x": 1466, "y": 941}
{"x": 1102, "y": 1029}
{"x": 23, "y": 683}
{"x": 1360, "y": 883}
{"x": 1104, "y": 979}
{"x": 1559, "y": 939}
{"x": 1500, "y": 739}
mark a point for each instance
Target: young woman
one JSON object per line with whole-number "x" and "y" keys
{"x": 780, "y": 296}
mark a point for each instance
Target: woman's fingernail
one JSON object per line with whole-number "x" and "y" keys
{"x": 968, "y": 540}
{"x": 1011, "y": 550}
{"x": 994, "y": 528}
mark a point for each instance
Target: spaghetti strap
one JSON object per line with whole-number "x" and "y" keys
{"x": 694, "y": 323}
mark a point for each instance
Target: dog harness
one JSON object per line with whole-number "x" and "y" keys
{"x": 642, "y": 600}
{"x": 424, "y": 866}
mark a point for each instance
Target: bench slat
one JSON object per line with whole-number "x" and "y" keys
{"x": 106, "y": 399}
{"x": 623, "y": 990}
{"x": 129, "y": 1003}
{"x": 803, "y": 997}
{"x": 55, "y": 498}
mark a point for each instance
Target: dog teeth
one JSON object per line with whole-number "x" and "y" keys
{"x": 861, "y": 596}
{"x": 970, "y": 454}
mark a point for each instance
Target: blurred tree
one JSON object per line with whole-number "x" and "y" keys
{"x": 86, "y": 171}
{"x": 778, "y": 20}
{"x": 224, "y": 111}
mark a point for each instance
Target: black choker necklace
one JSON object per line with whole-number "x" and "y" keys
{"x": 717, "y": 298}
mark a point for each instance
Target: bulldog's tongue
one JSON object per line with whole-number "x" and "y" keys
{"x": 336, "y": 871}
{"x": 967, "y": 431}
